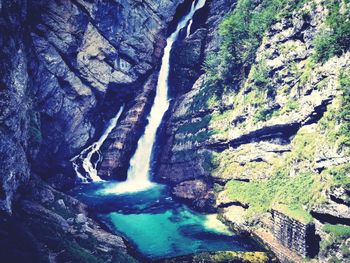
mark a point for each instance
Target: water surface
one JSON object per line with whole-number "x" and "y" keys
{"x": 158, "y": 226}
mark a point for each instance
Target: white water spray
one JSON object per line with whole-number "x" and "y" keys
{"x": 138, "y": 178}
{"x": 85, "y": 158}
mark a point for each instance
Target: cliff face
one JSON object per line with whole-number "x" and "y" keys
{"x": 66, "y": 67}
{"x": 263, "y": 129}
{"x": 258, "y": 128}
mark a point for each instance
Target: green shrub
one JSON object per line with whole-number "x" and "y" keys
{"x": 344, "y": 115}
{"x": 338, "y": 231}
{"x": 340, "y": 175}
{"x": 260, "y": 74}
{"x": 263, "y": 115}
{"x": 292, "y": 105}
{"x": 336, "y": 40}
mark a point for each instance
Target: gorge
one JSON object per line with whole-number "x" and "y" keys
{"x": 174, "y": 131}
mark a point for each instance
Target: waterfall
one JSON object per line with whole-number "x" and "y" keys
{"x": 138, "y": 178}
{"x": 85, "y": 159}
{"x": 188, "y": 31}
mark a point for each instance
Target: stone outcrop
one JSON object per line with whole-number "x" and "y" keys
{"x": 177, "y": 158}
{"x": 332, "y": 212}
{"x": 67, "y": 67}
{"x": 57, "y": 228}
{"x": 197, "y": 193}
{"x": 293, "y": 234}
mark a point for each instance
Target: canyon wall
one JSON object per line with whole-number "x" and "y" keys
{"x": 263, "y": 129}
{"x": 66, "y": 67}
{"x": 258, "y": 120}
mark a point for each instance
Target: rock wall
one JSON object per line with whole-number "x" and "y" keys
{"x": 267, "y": 139}
{"x": 293, "y": 234}
{"x": 179, "y": 155}
{"x": 66, "y": 67}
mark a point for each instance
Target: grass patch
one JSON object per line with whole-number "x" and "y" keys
{"x": 296, "y": 213}
{"x": 298, "y": 192}
{"x": 292, "y": 105}
{"x": 223, "y": 256}
{"x": 344, "y": 115}
{"x": 280, "y": 190}
{"x": 338, "y": 231}
{"x": 265, "y": 114}
{"x": 340, "y": 175}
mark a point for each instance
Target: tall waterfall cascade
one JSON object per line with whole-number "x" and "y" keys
{"x": 85, "y": 164}
{"x": 138, "y": 177}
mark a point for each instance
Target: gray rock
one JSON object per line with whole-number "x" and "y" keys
{"x": 81, "y": 219}
{"x": 340, "y": 211}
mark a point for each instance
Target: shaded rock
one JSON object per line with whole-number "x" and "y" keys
{"x": 196, "y": 192}
{"x": 293, "y": 234}
{"x": 340, "y": 195}
{"x": 81, "y": 219}
{"x": 122, "y": 142}
{"x": 185, "y": 62}
{"x": 333, "y": 213}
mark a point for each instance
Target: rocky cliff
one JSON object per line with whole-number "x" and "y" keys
{"x": 258, "y": 127}
{"x": 265, "y": 125}
{"x": 66, "y": 67}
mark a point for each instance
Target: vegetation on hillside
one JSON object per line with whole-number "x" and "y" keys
{"x": 242, "y": 33}
{"x": 306, "y": 188}
{"x": 334, "y": 41}
{"x": 223, "y": 256}
{"x": 298, "y": 193}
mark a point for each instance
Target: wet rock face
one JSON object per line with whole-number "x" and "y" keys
{"x": 122, "y": 142}
{"x": 14, "y": 121}
{"x": 185, "y": 62}
{"x": 57, "y": 227}
{"x": 62, "y": 60}
{"x": 82, "y": 50}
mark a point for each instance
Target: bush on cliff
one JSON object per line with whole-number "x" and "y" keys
{"x": 336, "y": 40}
{"x": 344, "y": 115}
